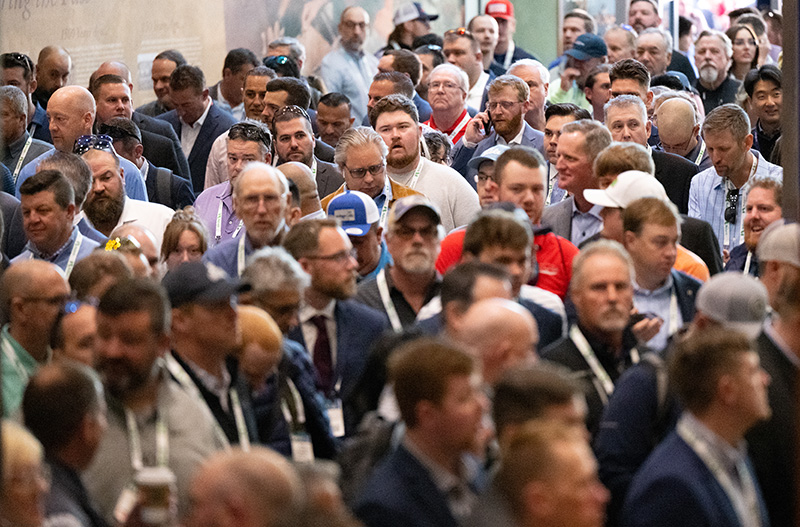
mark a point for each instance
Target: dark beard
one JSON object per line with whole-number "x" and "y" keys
{"x": 104, "y": 212}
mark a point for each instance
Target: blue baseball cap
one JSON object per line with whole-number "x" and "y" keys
{"x": 588, "y": 46}
{"x": 490, "y": 154}
{"x": 355, "y": 210}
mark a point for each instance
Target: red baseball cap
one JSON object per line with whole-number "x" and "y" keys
{"x": 500, "y": 9}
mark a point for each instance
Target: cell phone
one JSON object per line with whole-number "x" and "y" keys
{"x": 638, "y": 317}
{"x": 487, "y": 124}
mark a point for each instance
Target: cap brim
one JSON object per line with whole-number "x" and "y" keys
{"x": 600, "y": 197}
{"x": 475, "y": 162}
{"x": 356, "y": 230}
{"x": 429, "y": 210}
{"x": 578, "y": 54}
{"x": 750, "y": 329}
{"x": 218, "y": 292}
{"x": 432, "y": 17}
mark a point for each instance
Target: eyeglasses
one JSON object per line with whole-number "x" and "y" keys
{"x": 360, "y": 173}
{"x": 505, "y": 105}
{"x": 11, "y": 60}
{"x": 349, "y": 24}
{"x": 732, "y": 202}
{"x": 482, "y": 179}
{"x": 435, "y": 85}
{"x": 340, "y": 257}
{"x": 407, "y": 233}
{"x": 94, "y": 142}
{"x": 291, "y": 109}
{"x": 251, "y": 202}
{"x": 251, "y": 132}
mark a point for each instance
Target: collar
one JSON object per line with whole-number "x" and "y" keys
{"x": 721, "y": 181}
{"x": 199, "y": 122}
{"x": 728, "y": 456}
{"x": 664, "y": 290}
{"x": 25, "y": 358}
{"x": 39, "y": 255}
{"x": 15, "y": 147}
{"x": 444, "y": 480}
{"x": 479, "y": 84}
{"x": 225, "y": 191}
{"x": 761, "y": 131}
{"x": 307, "y": 312}
{"x": 219, "y": 386}
{"x": 594, "y": 211}
{"x": 455, "y": 124}
{"x": 358, "y": 55}
{"x": 145, "y": 169}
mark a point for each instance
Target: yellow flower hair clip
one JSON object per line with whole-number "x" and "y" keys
{"x": 113, "y": 245}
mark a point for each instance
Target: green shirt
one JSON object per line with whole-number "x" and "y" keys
{"x": 18, "y": 366}
{"x": 574, "y": 95}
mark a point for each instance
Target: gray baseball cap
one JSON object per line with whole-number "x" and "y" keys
{"x": 734, "y": 300}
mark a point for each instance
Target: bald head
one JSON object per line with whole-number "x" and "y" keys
{"x": 677, "y": 126}
{"x": 112, "y": 67}
{"x": 150, "y": 245}
{"x": 306, "y": 184}
{"x": 71, "y": 110}
{"x": 501, "y": 333}
{"x": 53, "y": 69}
{"x": 258, "y": 488}
{"x": 27, "y": 288}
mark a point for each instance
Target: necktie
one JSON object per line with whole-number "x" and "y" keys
{"x": 322, "y": 355}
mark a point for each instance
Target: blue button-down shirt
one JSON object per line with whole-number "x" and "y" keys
{"x": 658, "y": 301}
{"x": 351, "y": 74}
{"x": 585, "y": 224}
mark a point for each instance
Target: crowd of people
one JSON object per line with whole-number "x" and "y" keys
{"x": 442, "y": 284}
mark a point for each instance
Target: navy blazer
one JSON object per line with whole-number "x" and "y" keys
{"x": 217, "y": 123}
{"x": 686, "y": 288}
{"x": 157, "y": 126}
{"x": 461, "y": 154}
{"x": 675, "y": 173}
{"x": 675, "y": 487}
{"x": 357, "y": 329}
{"x": 401, "y": 493}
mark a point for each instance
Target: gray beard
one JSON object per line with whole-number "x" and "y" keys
{"x": 709, "y": 75}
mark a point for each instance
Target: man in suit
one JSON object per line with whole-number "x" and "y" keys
{"x": 205, "y": 328}
{"x": 575, "y": 218}
{"x": 338, "y": 332}
{"x": 163, "y": 65}
{"x": 195, "y": 119}
{"x": 650, "y": 233}
{"x": 428, "y": 479}
{"x": 294, "y": 141}
{"x": 163, "y": 186}
{"x": 16, "y": 69}
{"x": 503, "y": 122}
{"x": 626, "y": 118}
{"x": 700, "y": 475}
{"x": 148, "y": 124}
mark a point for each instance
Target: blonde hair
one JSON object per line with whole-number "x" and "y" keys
{"x": 20, "y": 448}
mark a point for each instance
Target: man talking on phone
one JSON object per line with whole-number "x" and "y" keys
{"x": 502, "y": 123}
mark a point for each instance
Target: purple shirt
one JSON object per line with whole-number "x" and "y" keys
{"x": 207, "y": 207}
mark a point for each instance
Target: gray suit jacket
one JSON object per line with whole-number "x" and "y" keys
{"x": 559, "y": 218}
{"x": 328, "y": 178}
{"x": 461, "y": 154}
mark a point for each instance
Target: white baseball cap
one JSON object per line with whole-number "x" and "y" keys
{"x": 627, "y": 188}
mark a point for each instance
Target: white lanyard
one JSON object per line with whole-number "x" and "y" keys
{"x": 747, "y": 262}
{"x": 22, "y": 156}
{"x": 218, "y": 229}
{"x": 727, "y": 235}
{"x": 388, "y": 305}
{"x": 458, "y": 128}
{"x": 73, "y": 255}
{"x": 186, "y": 382}
{"x": 588, "y": 354}
{"x": 240, "y": 256}
{"x": 509, "y": 55}
{"x": 745, "y": 500}
{"x": 8, "y": 351}
{"x": 298, "y": 405}
{"x": 674, "y": 315}
{"x": 314, "y": 168}
{"x": 702, "y": 151}
{"x": 413, "y": 183}
{"x": 551, "y": 184}
{"x": 387, "y": 190}
{"x": 162, "y": 441}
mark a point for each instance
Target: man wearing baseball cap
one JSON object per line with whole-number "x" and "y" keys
{"x": 360, "y": 220}
{"x": 410, "y": 21}
{"x": 624, "y": 190}
{"x": 484, "y": 179}
{"x": 205, "y": 332}
{"x": 410, "y": 282}
{"x": 506, "y": 51}
{"x": 588, "y": 51}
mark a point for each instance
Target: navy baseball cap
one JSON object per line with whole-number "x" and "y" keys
{"x": 355, "y": 210}
{"x": 199, "y": 283}
{"x": 588, "y": 46}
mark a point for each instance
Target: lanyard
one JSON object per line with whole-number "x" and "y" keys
{"x": 298, "y": 405}
{"x": 702, "y": 151}
{"x": 388, "y": 305}
{"x": 22, "y": 156}
{"x": 747, "y": 262}
{"x": 509, "y": 55}
{"x": 413, "y": 182}
{"x": 745, "y": 500}
{"x": 162, "y": 441}
{"x": 8, "y": 351}
{"x": 588, "y": 354}
{"x": 73, "y": 255}
{"x": 727, "y": 235}
{"x": 551, "y": 184}
{"x": 387, "y": 190}
{"x": 240, "y": 256}
{"x": 314, "y": 168}
{"x": 218, "y": 229}
{"x": 186, "y": 382}
{"x": 459, "y": 127}
{"x": 674, "y": 314}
